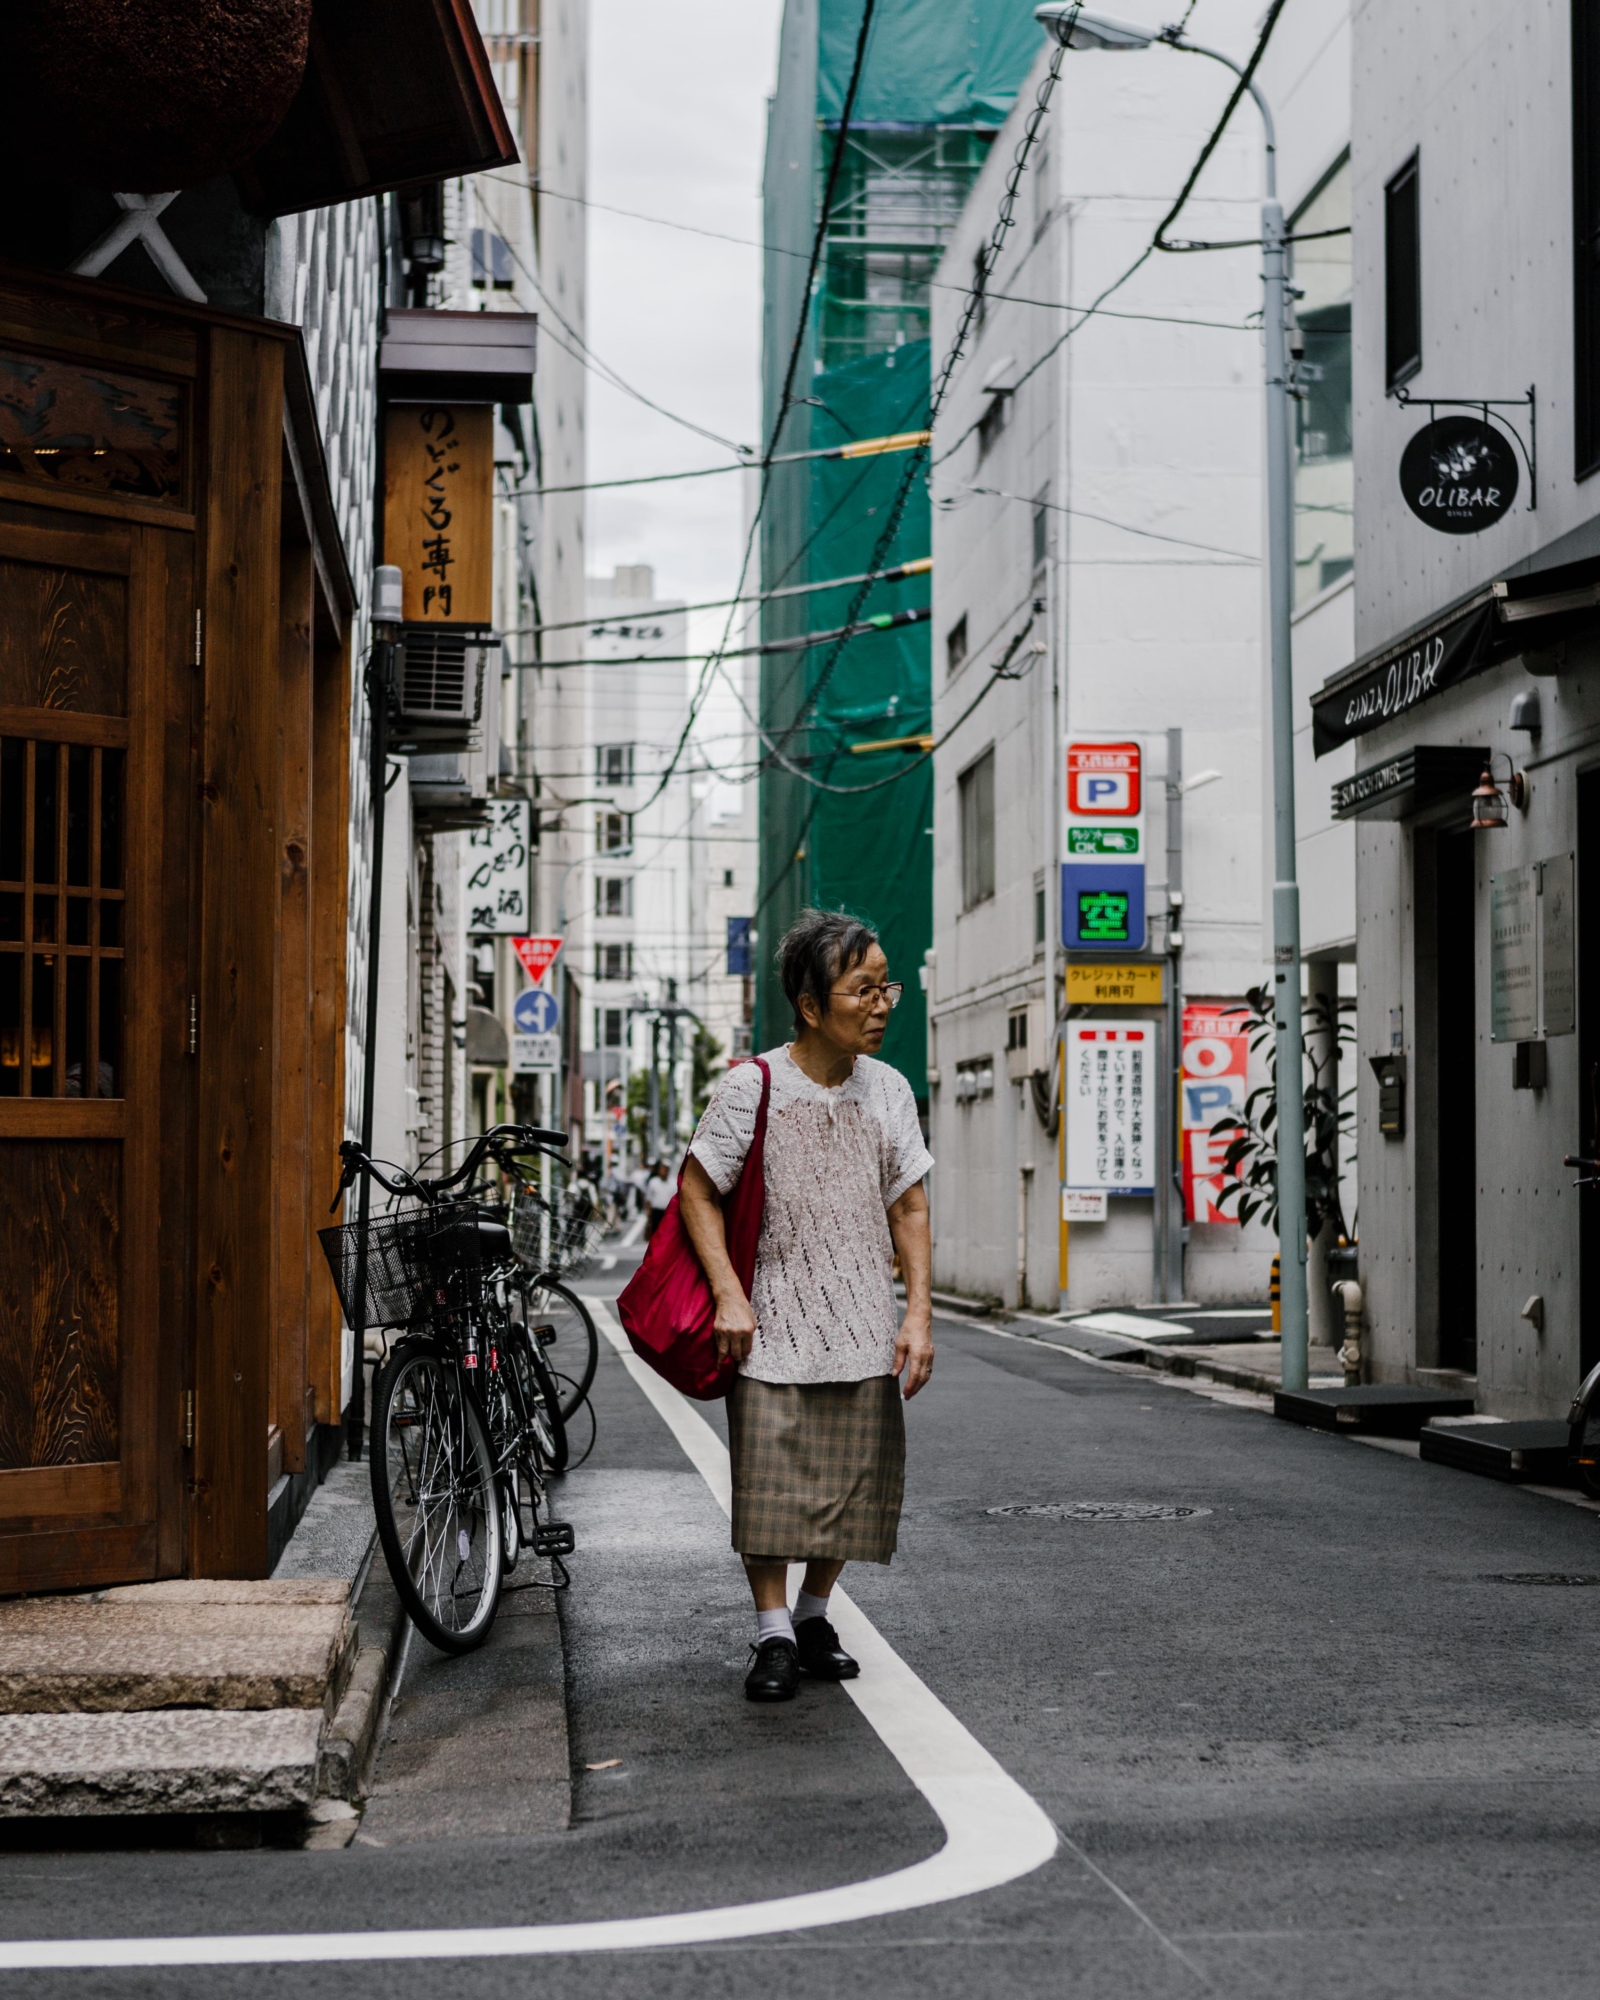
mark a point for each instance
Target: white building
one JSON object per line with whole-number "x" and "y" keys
{"x": 1098, "y": 533}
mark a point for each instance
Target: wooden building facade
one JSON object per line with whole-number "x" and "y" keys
{"x": 175, "y": 686}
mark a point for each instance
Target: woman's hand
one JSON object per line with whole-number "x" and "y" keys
{"x": 735, "y": 1326}
{"x": 913, "y": 1352}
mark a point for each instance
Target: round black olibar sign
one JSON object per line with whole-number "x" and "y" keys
{"x": 1459, "y": 474}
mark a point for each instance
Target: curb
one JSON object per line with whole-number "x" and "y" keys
{"x": 349, "y": 1739}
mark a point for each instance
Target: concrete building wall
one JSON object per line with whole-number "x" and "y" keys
{"x": 1128, "y": 460}
{"x": 1485, "y": 101}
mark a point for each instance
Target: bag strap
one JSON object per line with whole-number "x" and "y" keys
{"x": 758, "y": 1142}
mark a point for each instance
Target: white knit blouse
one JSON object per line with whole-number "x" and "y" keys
{"x": 836, "y": 1160}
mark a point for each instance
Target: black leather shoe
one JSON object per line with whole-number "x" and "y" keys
{"x": 821, "y": 1655}
{"x": 774, "y": 1672}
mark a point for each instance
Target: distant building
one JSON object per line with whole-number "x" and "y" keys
{"x": 1097, "y": 542}
{"x": 938, "y": 78}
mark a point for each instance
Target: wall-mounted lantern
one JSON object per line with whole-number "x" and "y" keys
{"x": 1489, "y": 802}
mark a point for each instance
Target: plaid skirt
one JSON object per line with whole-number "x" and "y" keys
{"x": 818, "y": 1469}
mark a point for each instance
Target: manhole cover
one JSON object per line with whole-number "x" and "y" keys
{"x": 1100, "y": 1510}
{"x": 1547, "y": 1578}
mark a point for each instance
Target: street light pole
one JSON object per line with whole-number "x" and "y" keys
{"x": 1067, "y": 21}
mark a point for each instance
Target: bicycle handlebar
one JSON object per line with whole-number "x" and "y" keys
{"x": 510, "y": 1138}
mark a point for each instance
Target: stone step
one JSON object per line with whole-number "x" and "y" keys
{"x": 192, "y": 1760}
{"x": 180, "y": 1644}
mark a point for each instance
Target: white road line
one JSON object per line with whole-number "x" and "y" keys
{"x": 994, "y": 1832}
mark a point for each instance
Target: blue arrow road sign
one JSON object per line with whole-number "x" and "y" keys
{"x": 537, "y": 1012}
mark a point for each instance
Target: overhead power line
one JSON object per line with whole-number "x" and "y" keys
{"x": 860, "y": 448}
{"x": 882, "y": 621}
{"x": 920, "y": 567}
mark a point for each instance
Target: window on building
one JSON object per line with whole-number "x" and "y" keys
{"x": 613, "y": 764}
{"x": 1039, "y": 911}
{"x": 613, "y": 895}
{"x": 1017, "y": 1029}
{"x": 613, "y": 961}
{"x": 613, "y": 832}
{"x": 1041, "y": 530}
{"x": 1586, "y": 233}
{"x": 977, "y": 830}
{"x": 955, "y": 645}
{"x": 1324, "y": 484}
{"x": 1402, "y": 276}
{"x": 608, "y": 1027}
{"x": 491, "y": 261}
{"x": 727, "y": 878}
{"x": 740, "y": 949}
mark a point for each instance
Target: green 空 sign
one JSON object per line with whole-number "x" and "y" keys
{"x": 1102, "y": 840}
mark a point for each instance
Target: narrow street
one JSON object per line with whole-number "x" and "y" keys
{"x": 1303, "y": 1739}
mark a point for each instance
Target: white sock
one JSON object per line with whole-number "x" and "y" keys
{"x": 774, "y": 1625}
{"x": 807, "y": 1606}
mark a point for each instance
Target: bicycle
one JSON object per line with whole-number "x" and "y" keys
{"x": 466, "y": 1419}
{"x": 555, "y": 1239}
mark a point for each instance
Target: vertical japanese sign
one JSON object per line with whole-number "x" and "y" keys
{"x": 497, "y": 871}
{"x": 1110, "y": 1080}
{"x": 1216, "y": 1075}
{"x": 1102, "y": 847}
{"x": 438, "y": 510}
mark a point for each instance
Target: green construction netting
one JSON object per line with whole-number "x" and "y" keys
{"x": 929, "y": 62}
{"x": 872, "y": 852}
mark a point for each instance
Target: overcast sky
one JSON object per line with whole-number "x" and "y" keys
{"x": 677, "y": 117}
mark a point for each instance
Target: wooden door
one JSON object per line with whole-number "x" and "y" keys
{"x": 95, "y": 801}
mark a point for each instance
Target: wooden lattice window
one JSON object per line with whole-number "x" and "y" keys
{"x": 62, "y": 930}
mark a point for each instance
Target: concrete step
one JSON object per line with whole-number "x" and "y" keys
{"x": 177, "y": 1645}
{"x": 192, "y": 1760}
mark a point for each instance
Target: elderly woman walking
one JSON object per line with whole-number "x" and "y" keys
{"x": 815, "y": 1430}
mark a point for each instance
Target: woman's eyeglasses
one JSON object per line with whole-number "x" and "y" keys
{"x": 869, "y": 996}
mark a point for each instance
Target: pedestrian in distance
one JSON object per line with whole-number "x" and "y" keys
{"x": 816, "y": 1433}
{"x": 658, "y": 1193}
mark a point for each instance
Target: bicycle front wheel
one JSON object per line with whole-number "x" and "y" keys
{"x": 558, "y": 1319}
{"x": 436, "y": 1498}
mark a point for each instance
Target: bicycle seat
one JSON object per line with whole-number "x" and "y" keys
{"x": 455, "y": 1234}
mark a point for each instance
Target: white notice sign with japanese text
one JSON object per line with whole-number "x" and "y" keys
{"x": 497, "y": 871}
{"x": 1110, "y": 1101}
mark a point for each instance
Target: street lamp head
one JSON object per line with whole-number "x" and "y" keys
{"x": 1077, "y": 30}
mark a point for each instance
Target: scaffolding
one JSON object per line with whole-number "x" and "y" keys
{"x": 939, "y": 78}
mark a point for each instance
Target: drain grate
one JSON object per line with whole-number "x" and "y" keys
{"x": 1548, "y": 1579}
{"x": 1099, "y": 1510}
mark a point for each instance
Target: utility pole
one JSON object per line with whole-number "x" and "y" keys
{"x": 1174, "y": 1220}
{"x": 672, "y": 1011}
{"x": 653, "y": 1123}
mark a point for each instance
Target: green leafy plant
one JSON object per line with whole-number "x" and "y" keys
{"x": 1251, "y": 1160}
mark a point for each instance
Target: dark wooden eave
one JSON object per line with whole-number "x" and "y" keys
{"x": 397, "y": 94}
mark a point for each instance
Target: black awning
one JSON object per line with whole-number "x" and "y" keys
{"x": 1418, "y": 780}
{"x": 1520, "y": 614}
{"x": 397, "y": 93}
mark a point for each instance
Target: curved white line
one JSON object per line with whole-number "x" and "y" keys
{"x": 994, "y": 1832}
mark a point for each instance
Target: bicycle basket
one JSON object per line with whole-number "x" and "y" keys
{"x": 417, "y": 1258}
{"x": 528, "y": 1214}
{"x": 560, "y": 1237}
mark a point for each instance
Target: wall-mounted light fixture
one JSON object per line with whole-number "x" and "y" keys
{"x": 1489, "y": 802}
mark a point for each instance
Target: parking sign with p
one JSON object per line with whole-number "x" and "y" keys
{"x": 1103, "y": 780}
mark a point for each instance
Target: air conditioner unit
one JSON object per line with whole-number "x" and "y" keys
{"x": 439, "y": 682}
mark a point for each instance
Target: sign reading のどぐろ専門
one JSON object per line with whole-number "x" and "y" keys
{"x": 438, "y": 510}
{"x": 1108, "y": 1087}
{"x": 1459, "y": 475}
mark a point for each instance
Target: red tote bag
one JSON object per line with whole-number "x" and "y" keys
{"x": 667, "y": 1310}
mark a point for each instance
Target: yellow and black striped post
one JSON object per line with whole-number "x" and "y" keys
{"x": 1277, "y": 1303}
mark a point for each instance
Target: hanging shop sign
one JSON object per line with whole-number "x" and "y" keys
{"x": 1459, "y": 475}
{"x": 1103, "y": 842}
{"x": 1109, "y": 1088}
{"x": 1216, "y": 1073}
{"x": 536, "y": 955}
{"x": 497, "y": 870}
{"x": 1532, "y": 956}
{"x": 438, "y": 510}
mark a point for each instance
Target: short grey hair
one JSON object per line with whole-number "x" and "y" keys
{"x": 815, "y": 950}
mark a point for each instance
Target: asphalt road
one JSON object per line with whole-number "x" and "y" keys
{"x": 1300, "y": 1741}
